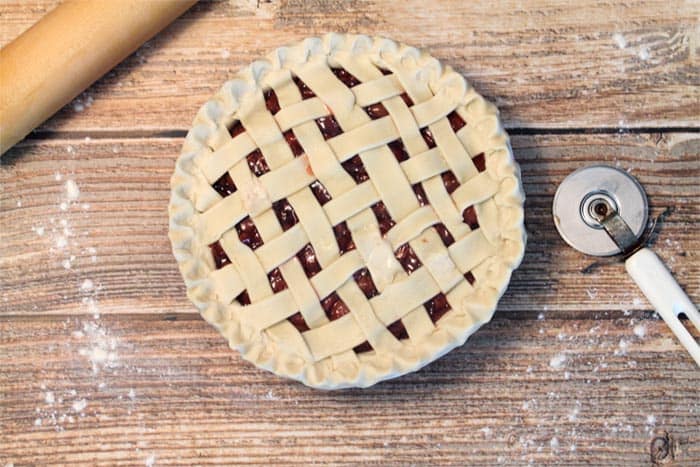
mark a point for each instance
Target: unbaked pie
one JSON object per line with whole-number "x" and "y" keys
{"x": 346, "y": 211}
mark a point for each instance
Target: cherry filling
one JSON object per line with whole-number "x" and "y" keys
{"x": 307, "y": 258}
{"x": 320, "y": 192}
{"x": 450, "y": 181}
{"x": 297, "y": 319}
{"x": 407, "y": 258}
{"x": 362, "y": 348}
{"x": 406, "y": 99}
{"x": 469, "y": 216}
{"x": 277, "y": 282}
{"x": 334, "y": 306}
{"x": 445, "y": 235}
{"x": 257, "y": 163}
{"x": 437, "y": 307}
{"x": 383, "y": 217}
{"x": 399, "y": 150}
{"x": 398, "y": 330}
{"x": 285, "y": 213}
{"x": 343, "y": 237}
{"x": 306, "y": 92}
{"x": 221, "y": 259}
{"x": 343, "y": 75}
{"x": 243, "y": 298}
{"x": 271, "y": 101}
{"x": 248, "y": 233}
{"x": 469, "y": 277}
{"x": 365, "y": 283}
{"x": 356, "y": 169}
{"x": 329, "y": 126}
{"x": 293, "y": 143}
{"x": 224, "y": 185}
{"x": 236, "y": 129}
{"x": 428, "y": 137}
{"x": 479, "y": 162}
{"x": 420, "y": 194}
{"x": 376, "y": 111}
{"x": 456, "y": 122}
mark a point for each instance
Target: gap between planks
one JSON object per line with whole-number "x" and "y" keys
{"x": 42, "y": 135}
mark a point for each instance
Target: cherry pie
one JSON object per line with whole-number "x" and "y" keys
{"x": 346, "y": 211}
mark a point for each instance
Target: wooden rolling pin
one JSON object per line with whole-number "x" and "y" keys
{"x": 66, "y": 51}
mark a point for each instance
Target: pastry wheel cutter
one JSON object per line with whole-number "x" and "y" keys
{"x": 603, "y": 211}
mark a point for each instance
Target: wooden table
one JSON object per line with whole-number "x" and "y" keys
{"x": 104, "y": 360}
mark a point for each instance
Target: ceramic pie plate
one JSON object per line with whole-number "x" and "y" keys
{"x": 346, "y": 210}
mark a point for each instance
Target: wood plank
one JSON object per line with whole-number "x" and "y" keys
{"x": 116, "y": 230}
{"x": 122, "y": 390}
{"x": 545, "y": 64}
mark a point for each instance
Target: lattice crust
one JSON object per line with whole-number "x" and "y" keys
{"x": 346, "y": 211}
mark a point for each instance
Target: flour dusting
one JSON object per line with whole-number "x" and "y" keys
{"x": 622, "y": 347}
{"x": 558, "y": 361}
{"x": 72, "y": 190}
{"x": 101, "y": 350}
{"x": 79, "y": 405}
{"x": 87, "y": 286}
{"x": 640, "y": 330}
{"x": 619, "y": 40}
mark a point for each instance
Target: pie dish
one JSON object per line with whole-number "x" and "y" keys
{"x": 346, "y": 211}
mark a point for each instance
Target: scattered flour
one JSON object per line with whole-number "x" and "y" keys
{"x": 643, "y": 54}
{"x": 49, "y": 397}
{"x": 79, "y": 405}
{"x": 573, "y": 415}
{"x": 640, "y": 330}
{"x": 101, "y": 351}
{"x": 40, "y": 230}
{"x": 151, "y": 460}
{"x": 619, "y": 40}
{"x": 72, "y": 190}
{"x": 37, "y": 422}
{"x": 622, "y": 347}
{"x": 87, "y": 286}
{"x": 558, "y": 361}
{"x": 225, "y": 53}
{"x": 554, "y": 443}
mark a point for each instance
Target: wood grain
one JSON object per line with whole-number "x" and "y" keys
{"x": 105, "y": 362}
{"x": 174, "y": 391}
{"x": 545, "y": 64}
{"x": 125, "y": 184}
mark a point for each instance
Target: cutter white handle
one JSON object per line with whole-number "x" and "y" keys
{"x": 667, "y": 297}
